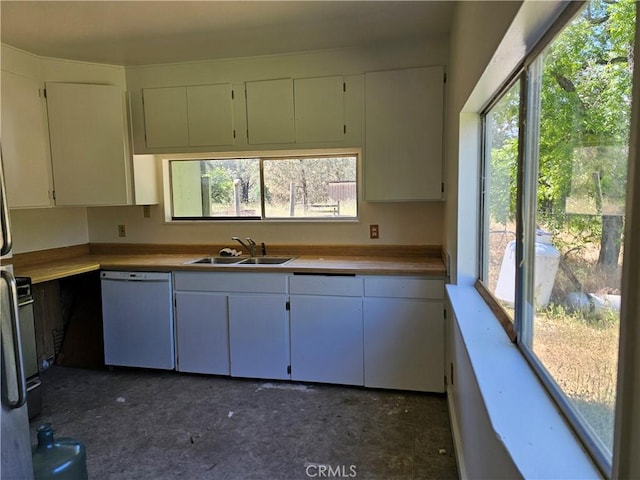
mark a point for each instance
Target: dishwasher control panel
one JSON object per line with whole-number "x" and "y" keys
{"x": 135, "y": 276}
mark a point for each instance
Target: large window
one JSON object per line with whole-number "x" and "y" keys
{"x": 554, "y": 185}
{"x": 301, "y": 187}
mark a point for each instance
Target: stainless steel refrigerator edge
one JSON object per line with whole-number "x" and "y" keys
{"x": 15, "y": 443}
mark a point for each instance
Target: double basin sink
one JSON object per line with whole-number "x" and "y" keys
{"x": 241, "y": 261}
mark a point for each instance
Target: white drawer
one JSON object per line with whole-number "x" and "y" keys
{"x": 231, "y": 282}
{"x": 404, "y": 287}
{"x": 336, "y": 285}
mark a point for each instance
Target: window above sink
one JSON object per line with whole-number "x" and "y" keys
{"x": 318, "y": 185}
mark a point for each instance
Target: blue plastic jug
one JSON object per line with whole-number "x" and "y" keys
{"x": 62, "y": 459}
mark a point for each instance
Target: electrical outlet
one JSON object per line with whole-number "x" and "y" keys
{"x": 122, "y": 232}
{"x": 374, "y": 231}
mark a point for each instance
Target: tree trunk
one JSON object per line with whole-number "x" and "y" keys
{"x": 611, "y": 239}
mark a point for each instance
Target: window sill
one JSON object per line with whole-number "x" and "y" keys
{"x": 523, "y": 417}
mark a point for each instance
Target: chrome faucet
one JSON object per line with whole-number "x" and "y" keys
{"x": 250, "y": 245}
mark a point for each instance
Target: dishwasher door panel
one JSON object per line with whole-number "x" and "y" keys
{"x": 138, "y": 322}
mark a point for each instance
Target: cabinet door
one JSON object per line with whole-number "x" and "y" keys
{"x": 319, "y": 106}
{"x": 165, "y": 117}
{"x": 202, "y": 333}
{"x": 403, "y": 344}
{"x": 24, "y": 143}
{"x": 210, "y": 111}
{"x": 89, "y": 151}
{"x": 270, "y": 111}
{"x": 403, "y": 134}
{"x": 259, "y": 336}
{"x": 326, "y": 339}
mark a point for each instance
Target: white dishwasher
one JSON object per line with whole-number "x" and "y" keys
{"x": 137, "y": 313}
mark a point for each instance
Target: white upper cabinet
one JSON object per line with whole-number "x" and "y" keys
{"x": 89, "y": 146}
{"x": 319, "y": 105}
{"x": 165, "y": 117}
{"x": 301, "y": 111}
{"x": 210, "y": 110}
{"x": 282, "y": 113}
{"x": 403, "y": 134}
{"x": 24, "y": 143}
{"x": 270, "y": 111}
{"x": 198, "y": 115}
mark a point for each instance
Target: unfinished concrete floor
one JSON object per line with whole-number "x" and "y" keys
{"x": 141, "y": 424}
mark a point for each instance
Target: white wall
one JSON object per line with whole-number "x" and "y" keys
{"x": 44, "y": 228}
{"x": 480, "y": 453}
{"x": 400, "y": 224}
{"x": 416, "y": 223}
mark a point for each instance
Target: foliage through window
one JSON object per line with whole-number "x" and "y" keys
{"x": 298, "y": 187}
{"x": 502, "y": 128}
{"x": 552, "y": 245}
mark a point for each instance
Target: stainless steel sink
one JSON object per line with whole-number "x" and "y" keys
{"x": 217, "y": 260}
{"x": 240, "y": 261}
{"x": 265, "y": 260}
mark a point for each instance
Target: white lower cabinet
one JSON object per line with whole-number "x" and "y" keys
{"x": 326, "y": 340}
{"x": 202, "y": 332}
{"x": 259, "y": 336}
{"x": 404, "y": 333}
{"x": 372, "y": 330}
{"x": 326, "y": 329}
{"x": 232, "y": 324}
{"x": 403, "y": 344}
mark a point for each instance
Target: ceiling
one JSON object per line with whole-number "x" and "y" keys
{"x": 148, "y": 31}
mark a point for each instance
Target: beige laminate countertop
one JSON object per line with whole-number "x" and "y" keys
{"x": 56, "y": 269}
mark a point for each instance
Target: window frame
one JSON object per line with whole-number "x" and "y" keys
{"x": 519, "y": 329}
{"x": 261, "y": 156}
{"x": 507, "y": 322}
